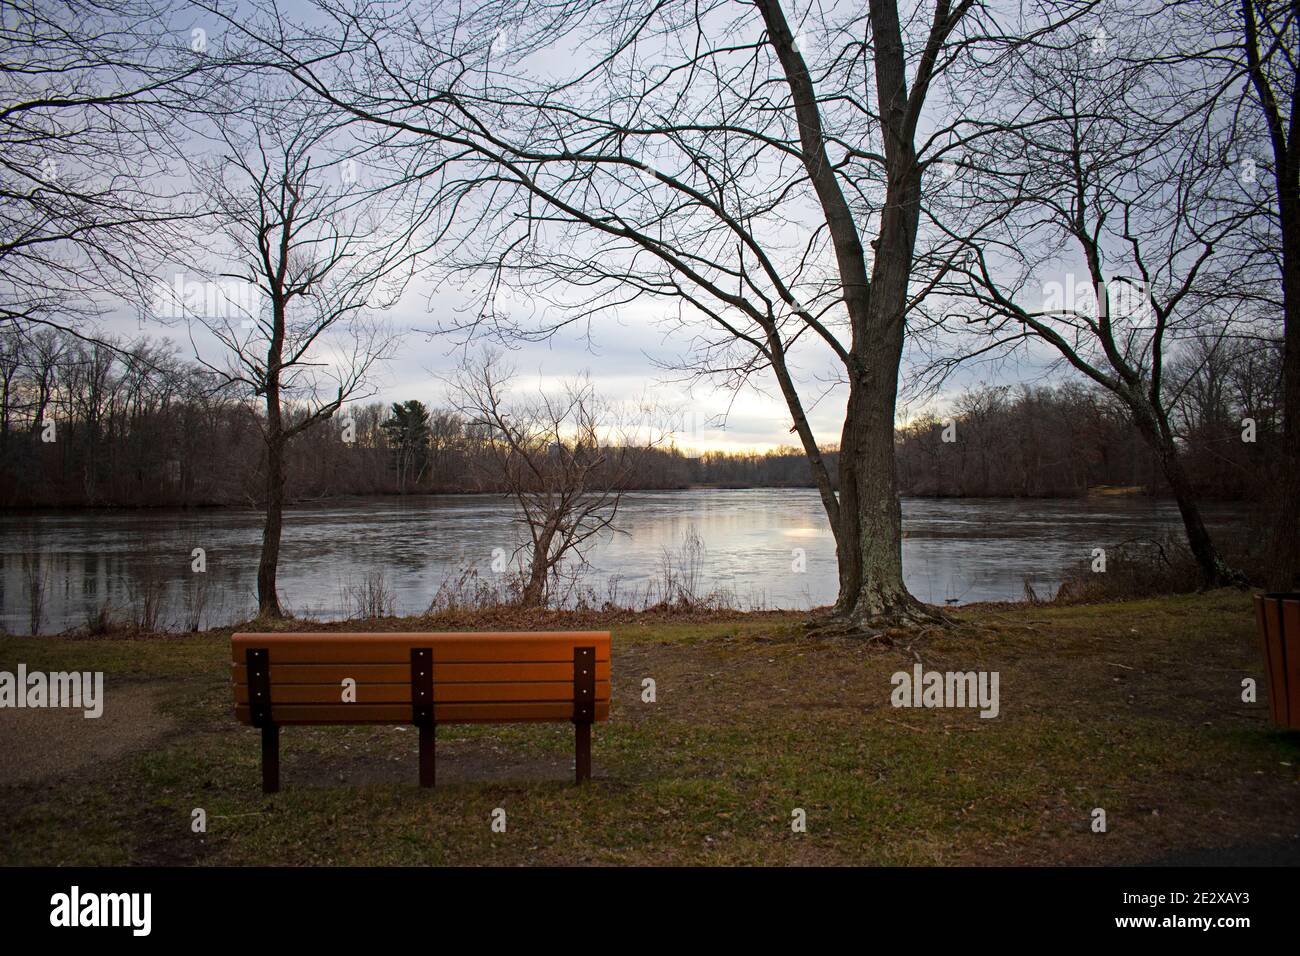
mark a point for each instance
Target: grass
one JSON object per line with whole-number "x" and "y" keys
{"x": 1135, "y": 708}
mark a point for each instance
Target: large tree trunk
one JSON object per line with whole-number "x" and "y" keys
{"x": 869, "y": 543}
{"x": 268, "y": 602}
{"x": 535, "y": 590}
{"x": 882, "y": 597}
{"x": 1285, "y": 565}
{"x": 1282, "y": 133}
{"x": 867, "y": 520}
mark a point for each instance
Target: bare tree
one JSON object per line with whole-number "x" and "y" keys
{"x": 565, "y": 458}
{"x": 1099, "y": 167}
{"x": 758, "y": 178}
{"x": 318, "y": 255}
{"x": 1268, "y": 52}
{"x": 90, "y": 93}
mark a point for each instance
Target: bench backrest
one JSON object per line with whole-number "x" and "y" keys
{"x": 473, "y": 677}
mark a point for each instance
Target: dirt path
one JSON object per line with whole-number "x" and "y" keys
{"x": 46, "y": 743}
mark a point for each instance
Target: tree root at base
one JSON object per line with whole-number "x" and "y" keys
{"x": 882, "y": 627}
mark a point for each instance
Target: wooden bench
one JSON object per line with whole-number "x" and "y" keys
{"x": 422, "y": 679}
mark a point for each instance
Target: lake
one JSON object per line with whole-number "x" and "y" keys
{"x": 752, "y": 543}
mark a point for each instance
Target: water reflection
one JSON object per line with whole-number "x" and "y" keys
{"x": 72, "y": 565}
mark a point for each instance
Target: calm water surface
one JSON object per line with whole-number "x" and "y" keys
{"x": 955, "y": 551}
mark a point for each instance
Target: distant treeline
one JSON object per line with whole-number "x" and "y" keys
{"x": 86, "y": 423}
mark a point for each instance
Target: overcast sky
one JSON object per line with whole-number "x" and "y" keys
{"x": 624, "y": 350}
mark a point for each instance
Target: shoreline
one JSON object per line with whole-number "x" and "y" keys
{"x": 1095, "y": 493}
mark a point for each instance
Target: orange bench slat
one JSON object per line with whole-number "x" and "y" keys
{"x": 445, "y": 673}
{"x": 401, "y": 693}
{"x": 451, "y": 713}
{"x": 395, "y": 648}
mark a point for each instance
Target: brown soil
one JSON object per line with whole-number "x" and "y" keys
{"x": 48, "y": 743}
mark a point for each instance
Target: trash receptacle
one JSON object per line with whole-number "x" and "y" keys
{"x": 1278, "y": 618}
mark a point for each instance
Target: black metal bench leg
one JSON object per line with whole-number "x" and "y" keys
{"x": 428, "y": 759}
{"x": 582, "y": 750}
{"x": 271, "y": 758}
